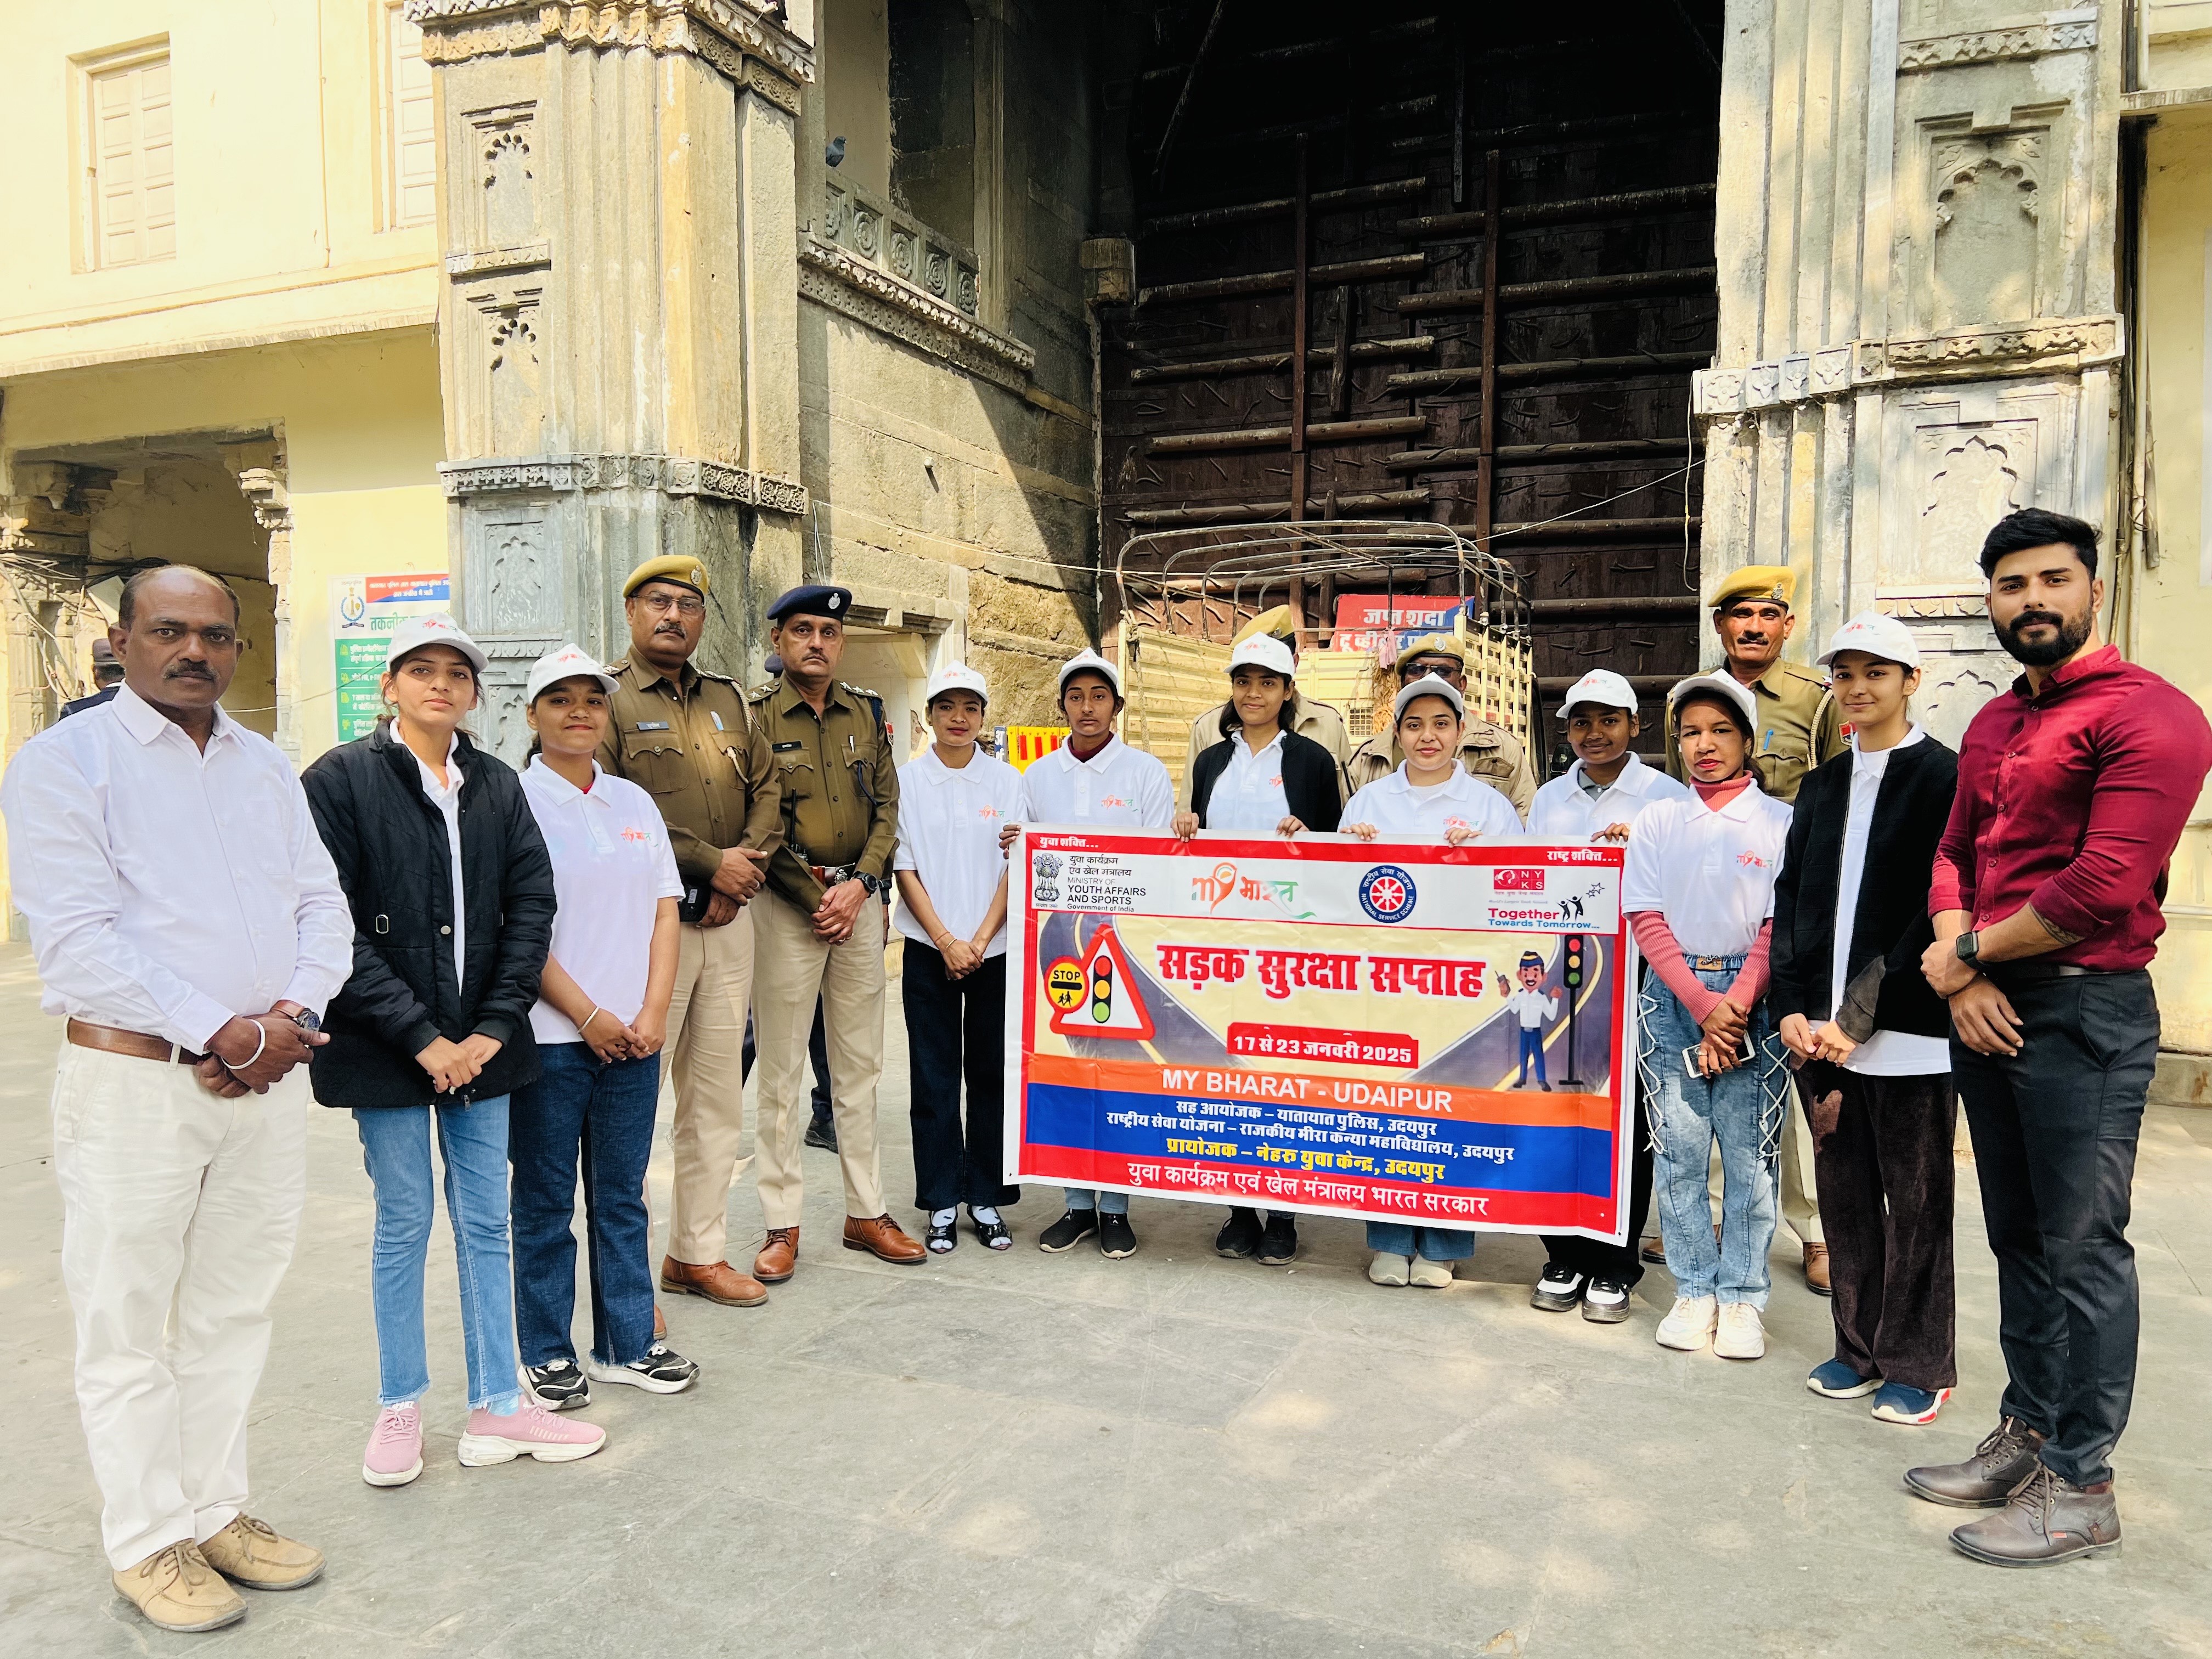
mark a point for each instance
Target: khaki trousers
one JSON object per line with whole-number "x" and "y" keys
{"x": 704, "y": 1057}
{"x": 1801, "y": 1191}
{"x": 794, "y": 968}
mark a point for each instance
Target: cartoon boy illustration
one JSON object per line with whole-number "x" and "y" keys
{"x": 1533, "y": 1008}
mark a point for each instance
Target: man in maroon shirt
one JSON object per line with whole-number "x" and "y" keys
{"x": 2073, "y": 788}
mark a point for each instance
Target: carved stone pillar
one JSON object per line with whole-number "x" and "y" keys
{"x": 1918, "y": 321}
{"x": 265, "y": 490}
{"x": 618, "y": 337}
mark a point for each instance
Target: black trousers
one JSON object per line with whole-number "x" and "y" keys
{"x": 1882, "y": 1160}
{"x": 2055, "y": 1129}
{"x": 956, "y": 1028}
{"x": 1614, "y": 1262}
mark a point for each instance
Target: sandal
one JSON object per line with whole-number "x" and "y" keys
{"x": 941, "y": 1240}
{"x": 993, "y": 1235}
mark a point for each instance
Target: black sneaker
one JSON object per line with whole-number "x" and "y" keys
{"x": 662, "y": 1370}
{"x": 822, "y": 1134}
{"x": 1069, "y": 1230}
{"x": 1605, "y": 1302}
{"x": 559, "y": 1386}
{"x": 1239, "y": 1237}
{"x": 1116, "y": 1237}
{"x": 1279, "y": 1244}
{"x": 1559, "y": 1291}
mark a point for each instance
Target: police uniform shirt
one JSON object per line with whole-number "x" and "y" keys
{"x": 1404, "y": 811}
{"x": 1118, "y": 787}
{"x": 1710, "y": 873}
{"x": 1566, "y": 810}
{"x": 1486, "y": 751}
{"x": 837, "y": 785}
{"x": 689, "y": 744}
{"x": 948, "y": 835}
{"x": 1317, "y": 720}
{"x": 1800, "y": 726}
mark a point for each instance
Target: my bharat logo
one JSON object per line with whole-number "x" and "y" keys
{"x": 1386, "y": 892}
{"x": 1216, "y": 888}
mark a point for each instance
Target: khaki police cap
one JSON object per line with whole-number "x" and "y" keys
{"x": 670, "y": 568}
{"x": 1440, "y": 645}
{"x": 1275, "y": 625}
{"x": 1776, "y": 582}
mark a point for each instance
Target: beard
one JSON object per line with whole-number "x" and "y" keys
{"x": 2072, "y": 633}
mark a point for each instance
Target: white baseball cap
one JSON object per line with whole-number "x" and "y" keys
{"x": 1089, "y": 661}
{"x": 1263, "y": 651}
{"x": 567, "y": 663}
{"x": 1428, "y": 685}
{"x": 1602, "y": 687}
{"x": 955, "y": 677}
{"x": 1877, "y": 635}
{"x": 436, "y": 628}
{"x": 1738, "y": 694}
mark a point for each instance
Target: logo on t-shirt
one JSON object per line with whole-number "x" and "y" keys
{"x": 1750, "y": 860}
{"x": 1112, "y": 800}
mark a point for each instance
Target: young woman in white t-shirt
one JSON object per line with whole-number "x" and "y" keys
{"x": 1698, "y": 892}
{"x": 1428, "y": 797}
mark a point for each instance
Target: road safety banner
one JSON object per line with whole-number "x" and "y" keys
{"x": 1414, "y": 1033}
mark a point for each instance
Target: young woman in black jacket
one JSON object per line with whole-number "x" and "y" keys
{"x": 1261, "y": 779}
{"x": 1850, "y": 921}
{"x": 453, "y": 907}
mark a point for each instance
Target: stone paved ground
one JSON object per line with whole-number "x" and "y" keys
{"x": 1169, "y": 1455}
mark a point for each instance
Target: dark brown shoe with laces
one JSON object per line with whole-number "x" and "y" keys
{"x": 2000, "y": 1466}
{"x": 879, "y": 1236}
{"x": 2049, "y": 1520}
{"x": 779, "y": 1258}
{"x": 717, "y": 1281}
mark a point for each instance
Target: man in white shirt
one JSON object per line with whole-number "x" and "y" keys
{"x": 189, "y": 923}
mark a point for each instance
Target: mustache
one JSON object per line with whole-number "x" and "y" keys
{"x": 2030, "y": 618}
{"x": 187, "y": 670}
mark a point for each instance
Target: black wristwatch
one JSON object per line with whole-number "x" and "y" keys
{"x": 870, "y": 884}
{"x": 1968, "y": 945}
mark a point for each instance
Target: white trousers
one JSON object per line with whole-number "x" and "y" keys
{"x": 179, "y": 1213}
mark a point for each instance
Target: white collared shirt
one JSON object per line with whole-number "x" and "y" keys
{"x": 1566, "y": 810}
{"x": 1249, "y": 794}
{"x": 1885, "y": 1053}
{"x": 446, "y": 798}
{"x": 1402, "y": 812}
{"x": 1710, "y": 873}
{"x": 612, "y": 865}
{"x": 1118, "y": 787}
{"x": 170, "y": 888}
{"x": 1533, "y": 1008}
{"x": 948, "y": 821}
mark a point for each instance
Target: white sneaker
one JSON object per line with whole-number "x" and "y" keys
{"x": 1430, "y": 1275}
{"x": 1388, "y": 1269}
{"x": 1689, "y": 1326}
{"x": 1741, "y": 1336}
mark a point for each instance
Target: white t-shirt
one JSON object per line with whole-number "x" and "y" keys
{"x": 612, "y": 865}
{"x": 1249, "y": 794}
{"x": 1710, "y": 873}
{"x": 1402, "y": 812}
{"x": 1564, "y": 809}
{"x": 948, "y": 835}
{"x": 1118, "y": 787}
{"x": 446, "y": 798}
{"x": 1885, "y": 1053}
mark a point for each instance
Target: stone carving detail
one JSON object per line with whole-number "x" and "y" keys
{"x": 833, "y": 278}
{"x": 508, "y": 213}
{"x": 2034, "y": 348}
{"x": 524, "y": 255}
{"x": 900, "y": 245}
{"x": 676, "y": 474}
{"x": 1985, "y": 211}
{"x": 1990, "y": 46}
{"x": 1955, "y": 685}
{"x": 738, "y": 36}
{"x": 1975, "y": 481}
{"x": 520, "y": 576}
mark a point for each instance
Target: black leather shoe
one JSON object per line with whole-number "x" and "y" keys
{"x": 940, "y": 1241}
{"x": 2049, "y": 1520}
{"x": 994, "y": 1233}
{"x": 1279, "y": 1244}
{"x": 2001, "y": 1465}
{"x": 1239, "y": 1237}
{"x": 822, "y": 1133}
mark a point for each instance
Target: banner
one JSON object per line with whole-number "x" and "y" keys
{"x": 1414, "y": 1033}
{"x": 365, "y": 613}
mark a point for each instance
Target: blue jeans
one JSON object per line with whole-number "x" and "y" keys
{"x": 395, "y": 1143}
{"x": 1745, "y": 1110}
{"x": 582, "y": 1104}
{"x": 1085, "y": 1198}
{"x": 1430, "y": 1243}
{"x": 1531, "y": 1054}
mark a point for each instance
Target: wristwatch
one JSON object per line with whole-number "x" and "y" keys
{"x": 870, "y": 884}
{"x": 1968, "y": 945}
{"x": 307, "y": 1020}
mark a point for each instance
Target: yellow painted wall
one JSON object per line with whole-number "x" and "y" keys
{"x": 2171, "y": 608}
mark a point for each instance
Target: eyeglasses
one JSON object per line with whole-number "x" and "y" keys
{"x": 684, "y": 605}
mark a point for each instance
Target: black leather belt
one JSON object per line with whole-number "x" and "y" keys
{"x": 2001, "y": 971}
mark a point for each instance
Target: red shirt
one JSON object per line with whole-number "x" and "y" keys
{"x": 2072, "y": 801}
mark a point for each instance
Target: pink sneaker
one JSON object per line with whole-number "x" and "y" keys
{"x": 530, "y": 1431}
{"x": 394, "y": 1456}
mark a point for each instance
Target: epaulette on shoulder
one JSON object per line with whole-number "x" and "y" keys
{"x": 710, "y": 674}
{"x": 762, "y": 693}
{"x": 861, "y": 691}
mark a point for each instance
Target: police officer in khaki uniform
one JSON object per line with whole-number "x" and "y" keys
{"x": 1317, "y": 720}
{"x": 820, "y": 924}
{"x": 1800, "y": 726}
{"x": 684, "y": 735}
{"x": 1486, "y": 751}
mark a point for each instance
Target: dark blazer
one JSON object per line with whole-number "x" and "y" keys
{"x": 1311, "y": 782}
{"x": 1884, "y": 990}
{"x": 389, "y": 843}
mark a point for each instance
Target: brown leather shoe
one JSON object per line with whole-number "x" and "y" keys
{"x": 2049, "y": 1519}
{"x": 2007, "y": 1459}
{"x": 718, "y": 1282}
{"x": 879, "y": 1236}
{"x": 1653, "y": 1251}
{"x": 1816, "y": 1270}
{"x": 779, "y": 1258}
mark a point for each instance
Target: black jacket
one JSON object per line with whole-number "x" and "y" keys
{"x": 389, "y": 843}
{"x": 1311, "y": 782}
{"x": 1884, "y": 990}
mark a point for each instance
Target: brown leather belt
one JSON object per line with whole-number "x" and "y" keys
{"x": 833, "y": 875}
{"x": 108, "y": 1040}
